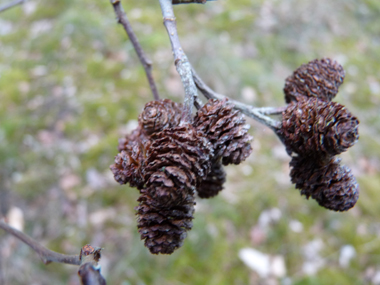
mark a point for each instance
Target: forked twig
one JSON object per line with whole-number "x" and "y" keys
{"x": 45, "y": 254}
{"x": 147, "y": 64}
{"x": 259, "y": 114}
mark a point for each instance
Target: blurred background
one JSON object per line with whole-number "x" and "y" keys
{"x": 71, "y": 85}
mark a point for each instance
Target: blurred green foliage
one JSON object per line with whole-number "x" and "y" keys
{"x": 71, "y": 85}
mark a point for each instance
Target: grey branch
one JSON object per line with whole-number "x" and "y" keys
{"x": 175, "y": 2}
{"x": 256, "y": 113}
{"x": 45, "y": 254}
{"x": 11, "y": 4}
{"x": 147, "y": 64}
{"x": 180, "y": 60}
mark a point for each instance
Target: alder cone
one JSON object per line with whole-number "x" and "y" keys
{"x": 137, "y": 135}
{"x": 158, "y": 115}
{"x": 128, "y": 163}
{"x": 164, "y": 227}
{"x": 213, "y": 183}
{"x": 314, "y": 127}
{"x": 333, "y": 186}
{"x": 226, "y": 129}
{"x": 318, "y": 78}
{"x": 178, "y": 159}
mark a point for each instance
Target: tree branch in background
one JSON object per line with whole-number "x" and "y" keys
{"x": 11, "y": 4}
{"x": 180, "y": 60}
{"x": 89, "y": 270}
{"x": 259, "y": 114}
{"x": 147, "y": 64}
{"x": 45, "y": 254}
{"x": 175, "y": 2}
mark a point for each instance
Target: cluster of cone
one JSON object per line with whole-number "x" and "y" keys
{"x": 315, "y": 130}
{"x": 168, "y": 160}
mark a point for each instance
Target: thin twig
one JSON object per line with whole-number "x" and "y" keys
{"x": 45, "y": 254}
{"x": 271, "y": 110}
{"x": 147, "y": 64}
{"x": 246, "y": 109}
{"x": 175, "y": 2}
{"x": 11, "y": 4}
{"x": 180, "y": 60}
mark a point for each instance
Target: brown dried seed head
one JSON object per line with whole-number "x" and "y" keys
{"x": 314, "y": 127}
{"x": 333, "y": 186}
{"x": 213, "y": 183}
{"x": 164, "y": 227}
{"x": 158, "y": 115}
{"x": 318, "y": 78}
{"x": 128, "y": 163}
{"x": 226, "y": 129}
{"x": 178, "y": 159}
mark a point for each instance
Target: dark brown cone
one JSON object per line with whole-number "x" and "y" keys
{"x": 164, "y": 228}
{"x": 226, "y": 129}
{"x": 318, "y": 78}
{"x": 333, "y": 186}
{"x": 158, "y": 115}
{"x": 137, "y": 135}
{"x": 213, "y": 184}
{"x": 128, "y": 163}
{"x": 178, "y": 159}
{"x": 313, "y": 127}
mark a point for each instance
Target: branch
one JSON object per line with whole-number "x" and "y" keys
{"x": 147, "y": 64}
{"x": 45, "y": 254}
{"x": 180, "y": 60}
{"x": 256, "y": 113}
{"x": 176, "y": 2}
{"x": 271, "y": 110}
{"x": 10, "y": 5}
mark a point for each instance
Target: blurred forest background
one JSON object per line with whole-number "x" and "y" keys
{"x": 71, "y": 85}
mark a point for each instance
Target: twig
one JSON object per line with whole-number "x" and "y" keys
{"x": 123, "y": 20}
{"x": 180, "y": 60}
{"x": 10, "y": 5}
{"x": 246, "y": 109}
{"x": 45, "y": 254}
{"x": 271, "y": 110}
{"x": 175, "y": 2}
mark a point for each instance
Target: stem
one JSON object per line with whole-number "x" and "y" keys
{"x": 10, "y": 5}
{"x": 250, "y": 111}
{"x": 147, "y": 64}
{"x": 180, "y": 60}
{"x": 45, "y": 254}
{"x": 271, "y": 110}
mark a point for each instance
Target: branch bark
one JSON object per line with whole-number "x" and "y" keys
{"x": 147, "y": 64}
{"x": 250, "y": 111}
{"x": 45, "y": 254}
{"x": 180, "y": 60}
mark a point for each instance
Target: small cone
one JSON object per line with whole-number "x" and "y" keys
{"x": 317, "y": 79}
{"x": 313, "y": 127}
{"x": 333, "y": 186}
{"x": 213, "y": 184}
{"x": 164, "y": 228}
{"x": 158, "y": 115}
{"x": 226, "y": 129}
